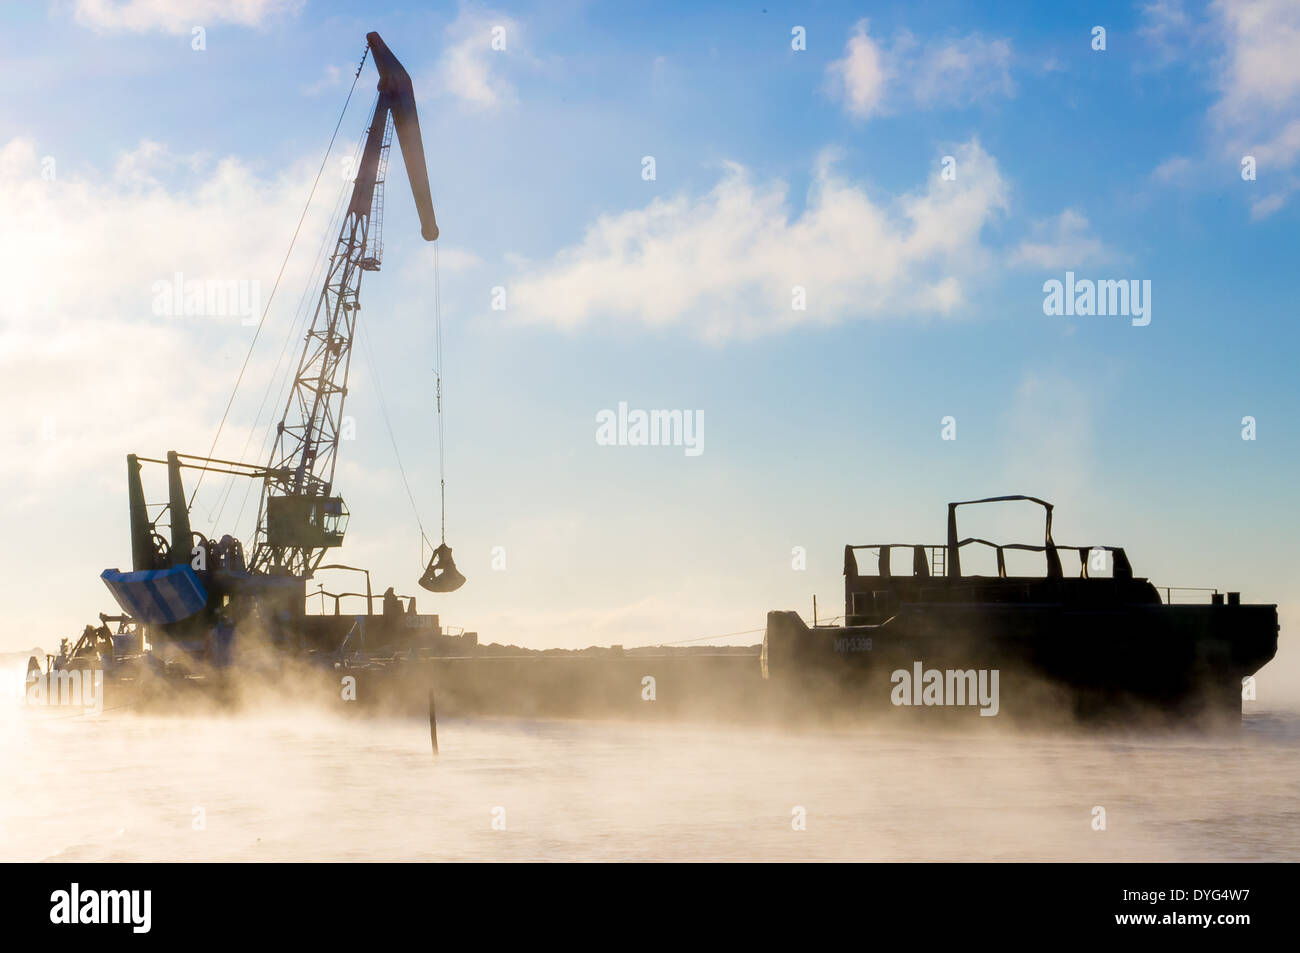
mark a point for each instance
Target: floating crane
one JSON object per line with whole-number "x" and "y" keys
{"x": 194, "y": 591}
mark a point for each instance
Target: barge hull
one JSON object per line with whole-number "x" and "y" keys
{"x": 1052, "y": 660}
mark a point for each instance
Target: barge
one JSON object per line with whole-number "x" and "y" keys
{"x": 1097, "y": 644}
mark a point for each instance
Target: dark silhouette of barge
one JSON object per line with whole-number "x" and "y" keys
{"x": 1099, "y": 643}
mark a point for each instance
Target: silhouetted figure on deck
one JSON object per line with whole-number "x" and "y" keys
{"x": 392, "y": 604}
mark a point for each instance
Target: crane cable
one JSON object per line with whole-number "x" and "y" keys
{"x": 283, "y": 265}
{"x": 388, "y": 425}
{"x": 437, "y": 324}
{"x": 301, "y": 316}
{"x": 387, "y": 418}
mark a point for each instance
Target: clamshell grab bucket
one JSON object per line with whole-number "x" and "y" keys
{"x": 442, "y": 574}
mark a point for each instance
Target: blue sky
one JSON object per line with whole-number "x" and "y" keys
{"x": 819, "y": 167}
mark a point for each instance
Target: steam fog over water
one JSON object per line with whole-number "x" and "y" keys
{"x": 310, "y": 785}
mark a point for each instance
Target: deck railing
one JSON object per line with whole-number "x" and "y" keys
{"x": 1173, "y": 597}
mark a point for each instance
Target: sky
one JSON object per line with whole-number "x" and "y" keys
{"x": 820, "y": 229}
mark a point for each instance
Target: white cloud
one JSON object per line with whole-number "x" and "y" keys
{"x": 725, "y": 263}
{"x": 452, "y": 260}
{"x": 178, "y": 16}
{"x": 1168, "y": 31}
{"x": 872, "y": 79}
{"x": 1258, "y": 110}
{"x": 963, "y": 70}
{"x": 1062, "y": 242}
{"x": 77, "y": 317}
{"x": 861, "y": 75}
{"x": 1257, "y": 81}
{"x": 1262, "y": 70}
{"x": 1174, "y": 169}
{"x": 455, "y": 259}
{"x": 332, "y": 77}
{"x": 470, "y": 68}
{"x": 1049, "y": 434}
{"x": 1263, "y": 208}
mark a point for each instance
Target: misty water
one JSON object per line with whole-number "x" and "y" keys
{"x": 303, "y": 784}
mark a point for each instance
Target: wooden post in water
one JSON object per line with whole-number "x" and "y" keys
{"x": 433, "y": 723}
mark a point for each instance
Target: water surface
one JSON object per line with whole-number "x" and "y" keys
{"x": 309, "y": 785}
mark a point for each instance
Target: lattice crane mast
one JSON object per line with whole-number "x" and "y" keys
{"x": 299, "y": 516}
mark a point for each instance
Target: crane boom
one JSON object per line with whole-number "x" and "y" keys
{"x": 299, "y": 516}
